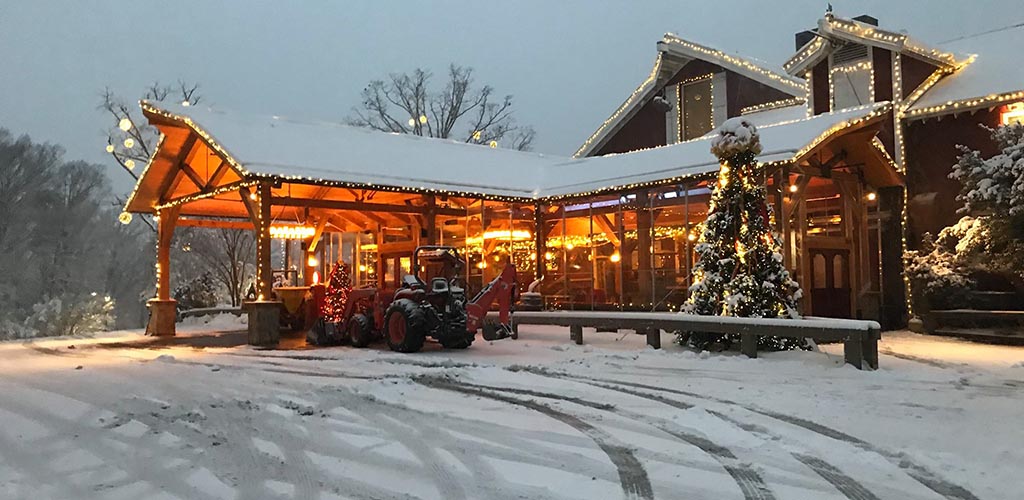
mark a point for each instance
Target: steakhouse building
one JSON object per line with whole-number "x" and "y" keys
{"x": 858, "y": 129}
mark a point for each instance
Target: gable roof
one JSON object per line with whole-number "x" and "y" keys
{"x": 331, "y": 154}
{"x": 994, "y": 75}
{"x": 674, "y": 53}
{"x": 832, "y": 31}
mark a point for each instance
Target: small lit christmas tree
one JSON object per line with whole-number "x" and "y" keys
{"x": 339, "y": 284}
{"x": 739, "y": 271}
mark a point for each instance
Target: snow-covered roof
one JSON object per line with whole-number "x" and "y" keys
{"x": 323, "y": 152}
{"x": 783, "y": 141}
{"x": 832, "y": 29}
{"x": 688, "y": 50}
{"x": 995, "y": 76}
{"x": 757, "y": 70}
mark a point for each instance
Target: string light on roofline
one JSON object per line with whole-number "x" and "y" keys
{"x": 768, "y": 106}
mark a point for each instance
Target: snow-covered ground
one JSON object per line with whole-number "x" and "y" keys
{"x": 118, "y": 416}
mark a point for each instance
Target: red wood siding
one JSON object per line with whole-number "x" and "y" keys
{"x": 743, "y": 92}
{"x": 819, "y": 88}
{"x": 881, "y": 61}
{"x": 915, "y": 72}
{"x": 646, "y": 129}
{"x": 931, "y": 152}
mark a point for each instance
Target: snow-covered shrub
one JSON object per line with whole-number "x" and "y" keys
{"x": 10, "y": 330}
{"x": 201, "y": 291}
{"x": 938, "y": 277}
{"x": 996, "y": 184}
{"x": 71, "y": 315}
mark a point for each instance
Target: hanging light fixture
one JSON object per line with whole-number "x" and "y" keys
{"x": 129, "y": 143}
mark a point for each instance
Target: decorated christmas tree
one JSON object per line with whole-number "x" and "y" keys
{"x": 740, "y": 269}
{"x": 339, "y": 284}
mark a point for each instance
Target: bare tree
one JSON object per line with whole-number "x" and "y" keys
{"x": 229, "y": 254}
{"x": 405, "y": 104}
{"x": 131, "y": 140}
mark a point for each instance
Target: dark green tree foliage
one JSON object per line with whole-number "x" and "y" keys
{"x": 740, "y": 269}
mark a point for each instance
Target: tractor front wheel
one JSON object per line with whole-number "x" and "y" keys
{"x": 457, "y": 337}
{"x": 405, "y": 326}
{"x": 359, "y": 332}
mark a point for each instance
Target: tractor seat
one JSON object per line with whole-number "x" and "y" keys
{"x": 439, "y": 285}
{"x": 411, "y": 281}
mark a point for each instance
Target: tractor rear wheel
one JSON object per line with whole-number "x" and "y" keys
{"x": 359, "y": 332}
{"x": 405, "y": 326}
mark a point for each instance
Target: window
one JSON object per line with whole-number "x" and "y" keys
{"x": 1012, "y": 113}
{"x": 851, "y": 84}
{"x": 697, "y": 113}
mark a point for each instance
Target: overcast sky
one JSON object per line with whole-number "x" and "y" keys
{"x": 568, "y": 63}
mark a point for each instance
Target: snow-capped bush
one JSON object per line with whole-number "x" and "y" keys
{"x": 995, "y": 184}
{"x": 201, "y": 291}
{"x": 939, "y": 279}
{"x": 736, "y": 135}
{"x": 71, "y": 315}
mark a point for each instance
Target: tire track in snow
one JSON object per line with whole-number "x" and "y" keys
{"x": 749, "y": 481}
{"x": 632, "y": 476}
{"x": 919, "y": 473}
{"x": 845, "y": 484}
{"x": 840, "y": 481}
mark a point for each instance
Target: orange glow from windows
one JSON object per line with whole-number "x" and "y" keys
{"x": 1012, "y": 113}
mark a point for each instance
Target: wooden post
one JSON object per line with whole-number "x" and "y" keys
{"x": 163, "y": 309}
{"x": 645, "y": 270}
{"x": 540, "y": 239}
{"x": 264, "y": 313}
{"x": 430, "y": 220}
{"x": 576, "y": 334}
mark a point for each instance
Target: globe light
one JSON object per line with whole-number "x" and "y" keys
{"x": 872, "y": 196}
{"x": 125, "y": 124}
{"x": 494, "y": 144}
{"x": 124, "y": 218}
{"x": 186, "y": 103}
{"x": 423, "y": 118}
{"x": 129, "y": 164}
{"x": 793, "y": 188}
{"x": 615, "y": 257}
{"x": 110, "y": 148}
{"x": 412, "y": 122}
{"x": 129, "y": 143}
{"x": 477, "y": 135}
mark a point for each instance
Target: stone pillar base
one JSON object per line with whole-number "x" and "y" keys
{"x": 264, "y": 322}
{"x": 162, "y": 315}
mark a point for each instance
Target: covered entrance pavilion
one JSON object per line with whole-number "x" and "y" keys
{"x": 612, "y": 232}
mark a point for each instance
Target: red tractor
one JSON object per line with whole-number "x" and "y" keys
{"x": 421, "y": 309}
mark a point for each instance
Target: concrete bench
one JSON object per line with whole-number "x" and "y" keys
{"x": 860, "y": 338}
